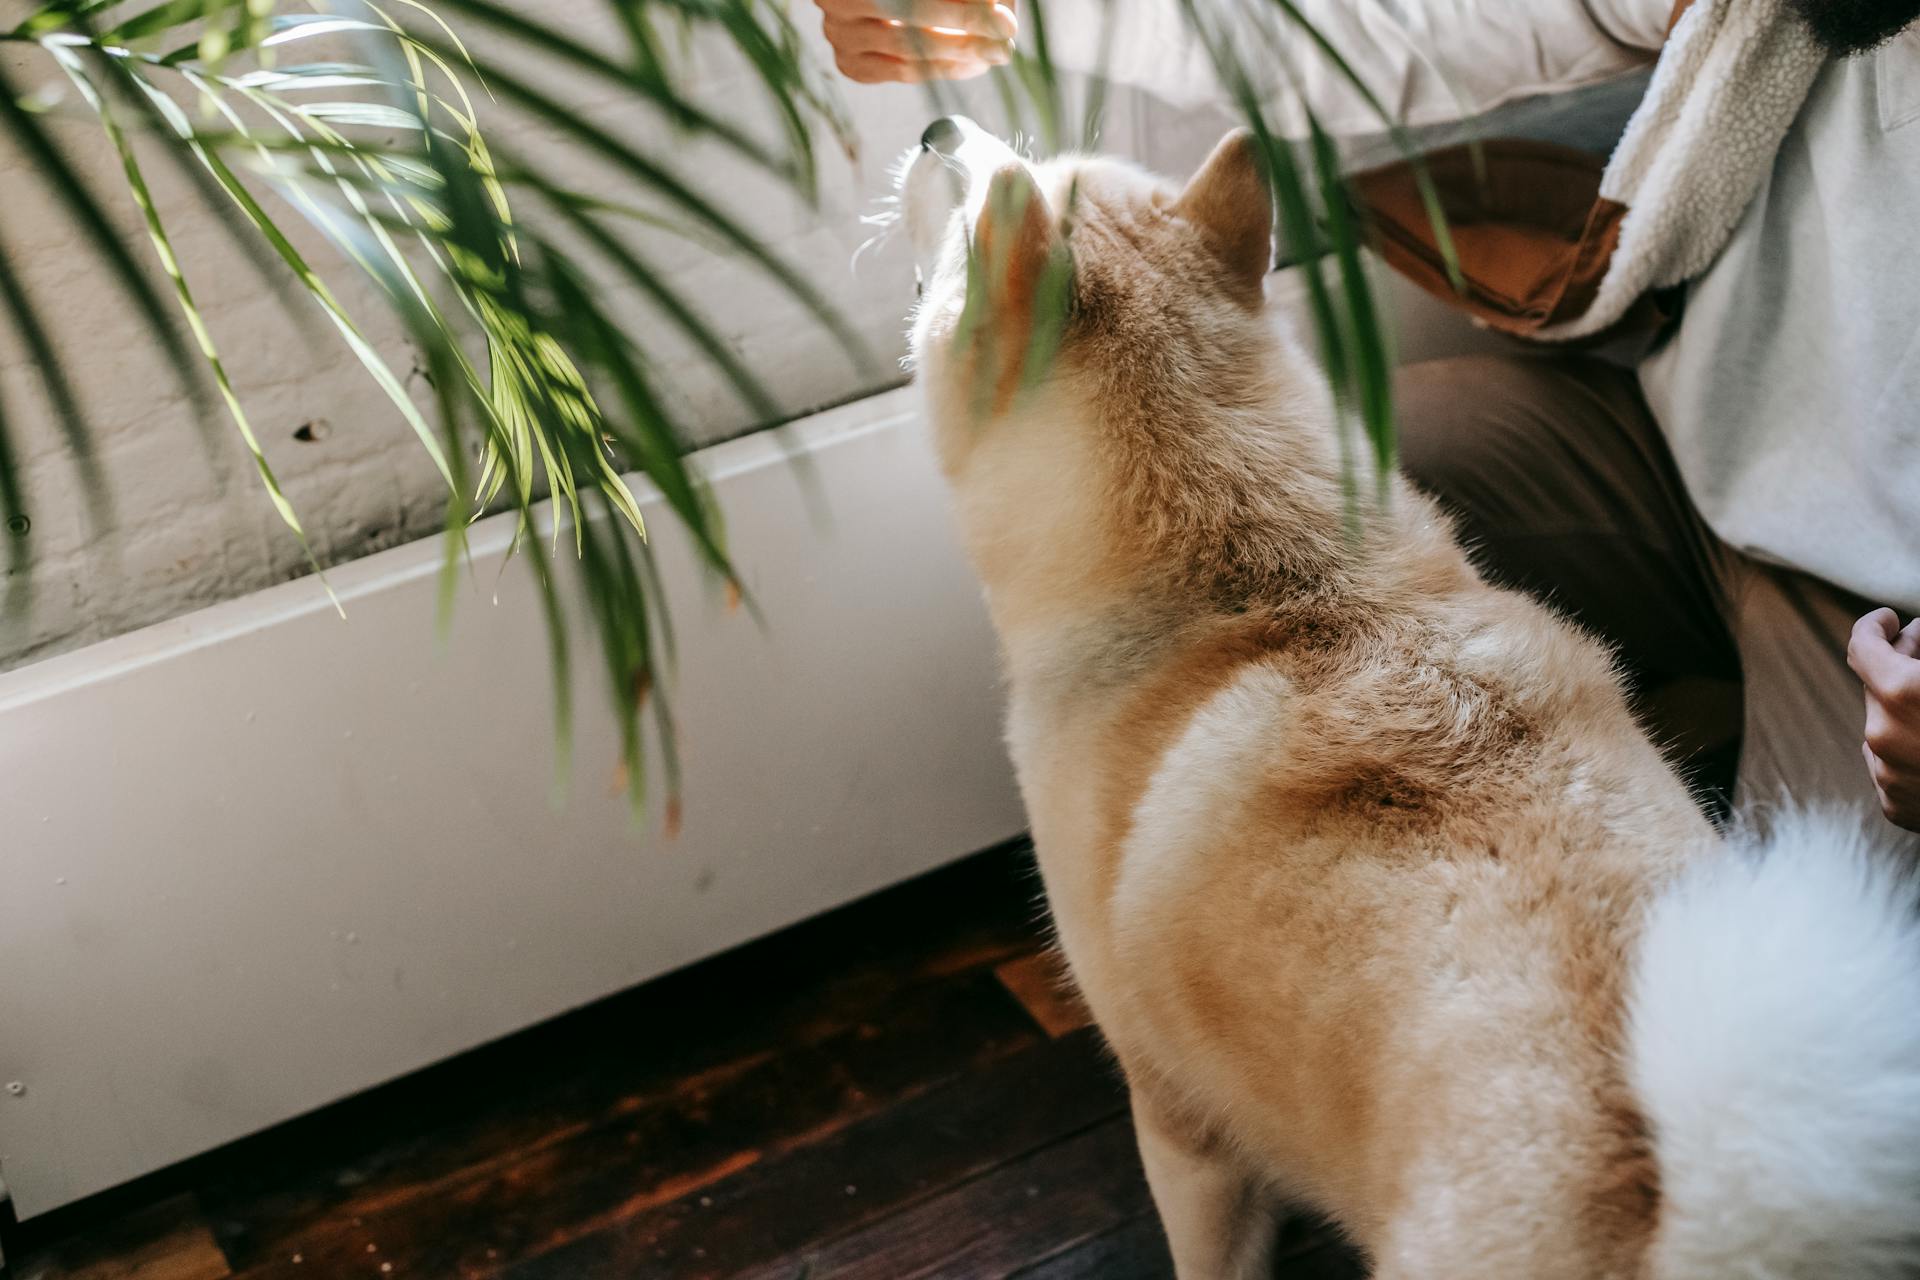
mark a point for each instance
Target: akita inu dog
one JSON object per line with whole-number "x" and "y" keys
{"x": 1384, "y": 902}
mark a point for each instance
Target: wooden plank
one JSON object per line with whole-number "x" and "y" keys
{"x": 165, "y": 1241}
{"x": 1135, "y": 1250}
{"x": 761, "y": 1220}
{"x": 530, "y": 1200}
{"x": 704, "y": 1025}
{"x": 1039, "y": 982}
{"x": 1067, "y": 1193}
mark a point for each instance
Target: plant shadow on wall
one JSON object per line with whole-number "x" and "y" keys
{"x": 364, "y": 120}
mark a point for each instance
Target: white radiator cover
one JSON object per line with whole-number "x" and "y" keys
{"x": 258, "y": 858}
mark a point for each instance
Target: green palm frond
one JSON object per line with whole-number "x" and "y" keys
{"x": 486, "y": 260}
{"x": 431, "y": 222}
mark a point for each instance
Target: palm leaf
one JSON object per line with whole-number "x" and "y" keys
{"x": 25, "y": 132}
{"x": 567, "y": 394}
{"x": 70, "y": 59}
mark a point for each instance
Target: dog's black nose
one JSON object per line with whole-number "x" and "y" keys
{"x": 941, "y": 135}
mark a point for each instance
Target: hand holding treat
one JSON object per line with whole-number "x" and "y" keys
{"x": 910, "y": 41}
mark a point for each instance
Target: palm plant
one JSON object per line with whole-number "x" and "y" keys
{"x": 489, "y": 261}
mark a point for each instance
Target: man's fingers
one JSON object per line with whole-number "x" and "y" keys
{"x": 881, "y": 68}
{"x": 864, "y": 37}
{"x": 920, "y": 70}
{"x": 980, "y": 18}
{"x": 910, "y": 41}
{"x": 1907, "y": 643}
{"x": 1883, "y": 620}
{"x": 1895, "y": 742}
{"x": 1888, "y": 808}
{"x": 1885, "y": 787}
{"x": 869, "y": 68}
{"x": 1884, "y": 778}
{"x": 1890, "y": 676}
{"x": 1896, "y": 789}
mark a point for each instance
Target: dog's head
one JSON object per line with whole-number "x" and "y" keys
{"x": 1079, "y": 272}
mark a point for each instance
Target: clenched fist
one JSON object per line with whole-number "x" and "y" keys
{"x": 908, "y": 41}
{"x": 1886, "y": 657}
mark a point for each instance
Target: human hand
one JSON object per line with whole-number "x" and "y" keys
{"x": 909, "y": 41}
{"x": 1886, "y": 657}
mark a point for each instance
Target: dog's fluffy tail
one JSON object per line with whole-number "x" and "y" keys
{"x": 1774, "y": 1046}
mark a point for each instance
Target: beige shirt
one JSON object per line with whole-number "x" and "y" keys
{"x": 1790, "y": 390}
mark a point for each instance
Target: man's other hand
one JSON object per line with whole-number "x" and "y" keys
{"x": 1887, "y": 660}
{"x": 908, "y": 41}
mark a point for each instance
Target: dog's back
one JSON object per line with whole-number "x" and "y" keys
{"x": 1371, "y": 911}
{"x": 1353, "y": 855}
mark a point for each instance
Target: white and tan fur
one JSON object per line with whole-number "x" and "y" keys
{"x": 1353, "y": 855}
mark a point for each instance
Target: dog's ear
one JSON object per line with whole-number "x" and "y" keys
{"x": 1019, "y": 285}
{"x": 1229, "y": 200}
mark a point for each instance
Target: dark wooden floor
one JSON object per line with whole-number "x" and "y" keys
{"x": 896, "y": 1090}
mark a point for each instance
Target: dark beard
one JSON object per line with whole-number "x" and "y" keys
{"x": 1845, "y": 27}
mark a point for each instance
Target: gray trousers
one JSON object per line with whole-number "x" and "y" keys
{"x": 1562, "y": 486}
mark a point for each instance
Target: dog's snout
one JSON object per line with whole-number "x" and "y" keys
{"x": 955, "y": 158}
{"x": 943, "y": 135}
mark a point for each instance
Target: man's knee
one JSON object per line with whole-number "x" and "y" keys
{"x": 1472, "y": 428}
{"x": 1556, "y": 478}
{"x": 1443, "y": 427}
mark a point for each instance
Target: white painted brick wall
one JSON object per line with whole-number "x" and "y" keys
{"x": 191, "y": 525}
